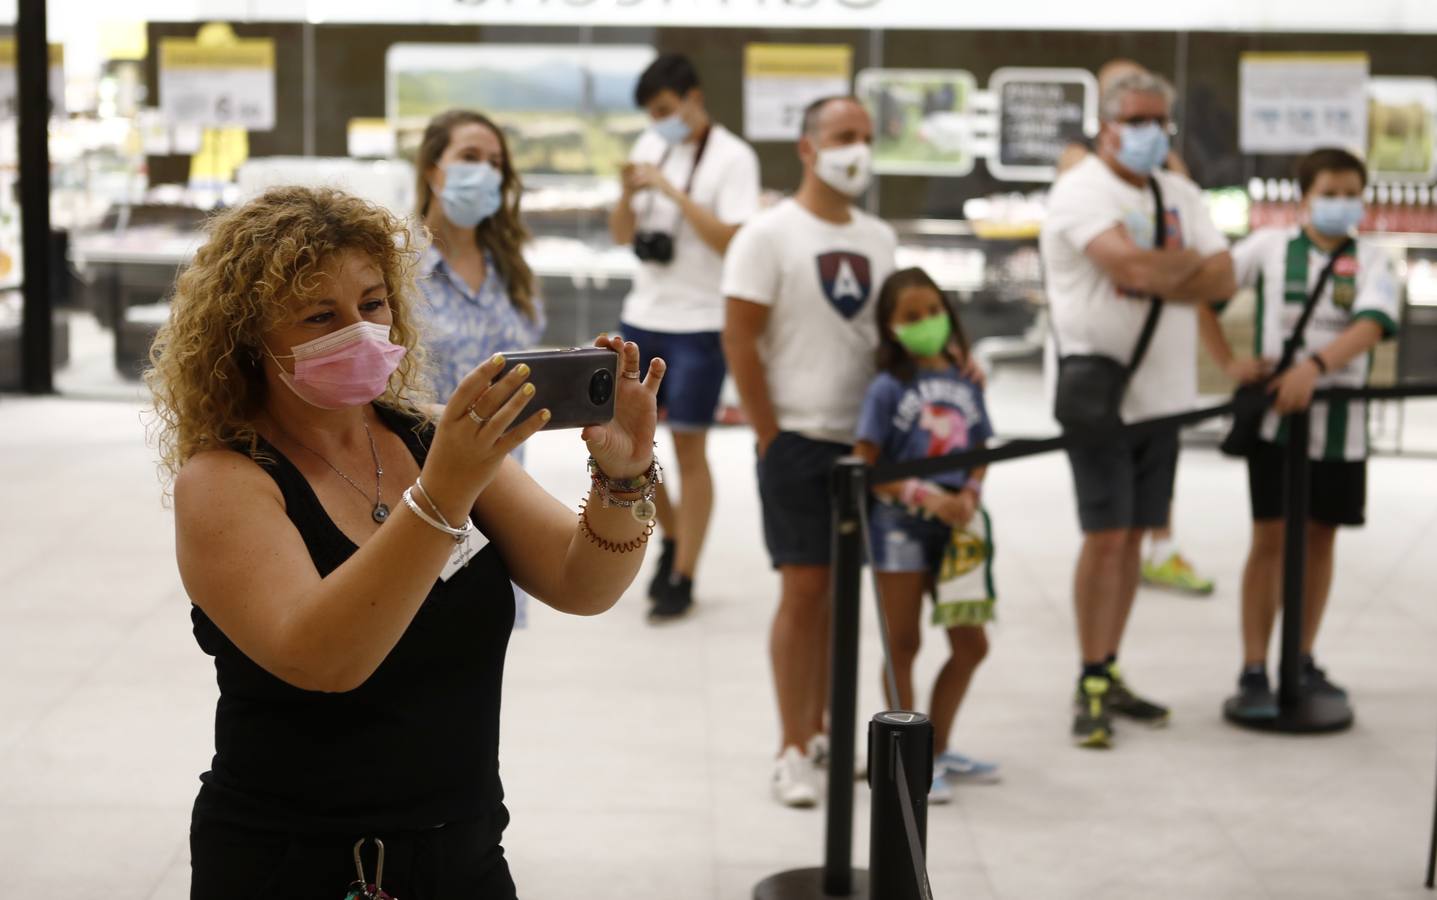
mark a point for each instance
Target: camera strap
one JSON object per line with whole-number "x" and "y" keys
{"x": 693, "y": 173}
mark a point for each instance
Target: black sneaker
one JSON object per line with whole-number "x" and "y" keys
{"x": 1091, "y": 726}
{"x": 1314, "y": 681}
{"x": 665, "y": 571}
{"x": 1255, "y": 699}
{"x": 1124, "y": 702}
{"x": 675, "y": 601}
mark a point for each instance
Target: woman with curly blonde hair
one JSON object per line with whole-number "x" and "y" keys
{"x": 349, "y": 560}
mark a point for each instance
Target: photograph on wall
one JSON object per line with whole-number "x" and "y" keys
{"x": 565, "y": 110}
{"x": 1402, "y": 115}
{"x": 781, "y": 80}
{"x": 922, "y": 119}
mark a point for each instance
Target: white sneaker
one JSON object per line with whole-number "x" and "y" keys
{"x": 793, "y": 781}
{"x": 818, "y": 750}
{"x": 941, "y": 791}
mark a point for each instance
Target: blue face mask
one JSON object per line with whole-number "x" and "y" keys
{"x": 1144, "y": 148}
{"x": 472, "y": 192}
{"x": 673, "y": 129}
{"x": 1336, "y": 216}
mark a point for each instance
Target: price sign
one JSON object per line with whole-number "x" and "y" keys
{"x": 224, "y": 86}
{"x": 1040, "y": 112}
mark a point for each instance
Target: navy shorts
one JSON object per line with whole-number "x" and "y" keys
{"x": 689, "y": 394}
{"x": 1127, "y": 485}
{"x": 795, "y": 479}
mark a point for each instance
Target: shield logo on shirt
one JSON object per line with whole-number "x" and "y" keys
{"x": 847, "y": 281}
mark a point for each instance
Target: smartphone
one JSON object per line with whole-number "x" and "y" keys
{"x": 576, "y": 385}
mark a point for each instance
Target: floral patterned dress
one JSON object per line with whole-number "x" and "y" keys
{"x": 461, "y": 328}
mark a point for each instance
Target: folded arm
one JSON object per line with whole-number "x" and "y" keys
{"x": 1179, "y": 275}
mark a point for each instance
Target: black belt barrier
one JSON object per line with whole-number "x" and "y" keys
{"x": 1298, "y": 712}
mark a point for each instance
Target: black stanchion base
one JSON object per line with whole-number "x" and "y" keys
{"x": 1313, "y": 714}
{"x": 806, "y": 884}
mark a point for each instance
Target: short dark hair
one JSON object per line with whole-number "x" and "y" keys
{"x": 670, "y": 72}
{"x": 1327, "y": 159}
{"x": 809, "y": 123}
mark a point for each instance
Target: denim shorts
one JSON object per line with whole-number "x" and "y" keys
{"x": 689, "y": 394}
{"x": 902, "y": 542}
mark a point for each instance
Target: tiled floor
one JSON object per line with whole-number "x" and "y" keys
{"x": 636, "y": 759}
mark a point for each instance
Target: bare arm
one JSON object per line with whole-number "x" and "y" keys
{"x": 744, "y": 323}
{"x": 1140, "y": 271}
{"x": 1213, "y": 280}
{"x": 244, "y": 563}
{"x": 1293, "y": 389}
{"x": 545, "y": 551}
{"x": 622, "y": 220}
{"x": 1213, "y": 340}
{"x": 715, "y": 232}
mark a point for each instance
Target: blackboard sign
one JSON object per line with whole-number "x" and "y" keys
{"x": 1040, "y": 111}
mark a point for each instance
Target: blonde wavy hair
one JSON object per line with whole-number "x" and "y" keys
{"x": 261, "y": 264}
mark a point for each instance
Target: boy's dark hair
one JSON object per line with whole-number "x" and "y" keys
{"x": 893, "y": 357}
{"x": 1327, "y": 159}
{"x": 670, "y": 72}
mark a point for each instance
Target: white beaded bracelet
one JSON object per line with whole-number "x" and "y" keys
{"x": 458, "y": 534}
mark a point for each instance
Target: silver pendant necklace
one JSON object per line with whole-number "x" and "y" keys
{"x": 380, "y": 511}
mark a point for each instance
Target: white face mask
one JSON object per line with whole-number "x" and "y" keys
{"x": 847, "y": 169}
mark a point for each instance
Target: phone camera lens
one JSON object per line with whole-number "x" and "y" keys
{"x": 601, "y": 387}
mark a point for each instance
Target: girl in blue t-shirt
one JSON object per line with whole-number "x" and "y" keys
{"x": 929, "y": 536}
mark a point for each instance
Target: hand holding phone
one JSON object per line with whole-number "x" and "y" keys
{"x": 577, "y": 386}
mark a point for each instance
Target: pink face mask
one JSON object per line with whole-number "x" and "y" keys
{"x": 350, "y": 367}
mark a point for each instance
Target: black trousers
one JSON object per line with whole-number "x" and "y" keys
{"x": 461, "y": 860}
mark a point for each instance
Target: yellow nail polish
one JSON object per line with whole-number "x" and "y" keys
{"x": 545, "y": 415}
{"x": 522, "y": 369}
{"x": 528, "y": 390}
{"x": 497, "y": 359}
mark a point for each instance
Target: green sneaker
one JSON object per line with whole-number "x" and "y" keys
{"x": 1176, "y": 574}
{"x": 1124, "y": 702}
{"x": 1091, "y": 726}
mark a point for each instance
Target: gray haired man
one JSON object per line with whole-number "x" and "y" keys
{"x": 1102, "y": 266}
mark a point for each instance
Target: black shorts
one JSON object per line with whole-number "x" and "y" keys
{"x": 234, "y": 862}
{"x": 1338, "y": 488}
{"x": 795, "y": 479}
{"x": 1128, "y": 485}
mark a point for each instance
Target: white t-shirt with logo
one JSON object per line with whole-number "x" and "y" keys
{"x": 683, "y": 296}
{"x": 821, "y": 282}
{"x": 1089, "y": 313}
{"x": 1364, "y": 287}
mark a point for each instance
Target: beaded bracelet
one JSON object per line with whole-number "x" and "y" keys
{"x": 645, "y": 486}
{"x": 605, "y": 544}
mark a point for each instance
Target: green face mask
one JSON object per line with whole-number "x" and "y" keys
{"x": 925, "y": 338}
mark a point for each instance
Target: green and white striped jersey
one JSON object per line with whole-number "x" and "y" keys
{"x": 1283, "y": 264}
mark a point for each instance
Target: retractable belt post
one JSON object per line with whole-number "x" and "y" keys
{"x": 1298, "y": 711}
{"x": 838, "y": 878}
{"x": 900, "y": 769}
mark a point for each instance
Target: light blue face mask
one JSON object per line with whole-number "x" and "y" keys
{"x": 673, "y": 129}
{"x": 1144, "y": 148}
{"x": 472, "y": 192}
{"x": 1336, "y": 216}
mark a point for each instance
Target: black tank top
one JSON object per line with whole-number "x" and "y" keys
{"x": 417, "y": 745}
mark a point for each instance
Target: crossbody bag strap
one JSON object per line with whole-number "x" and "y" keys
{"x": 1294, "y": 341}
{"x": 1155, "y": 309}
